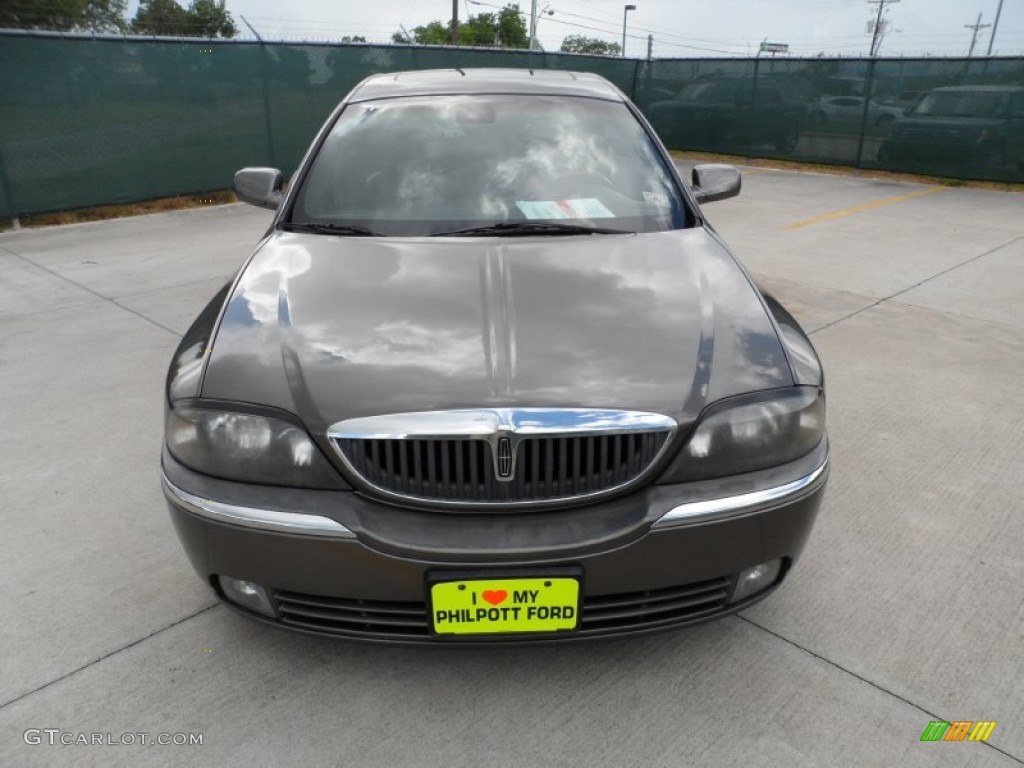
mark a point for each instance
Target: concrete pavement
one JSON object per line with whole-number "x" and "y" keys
{"x": 906, "y": 607}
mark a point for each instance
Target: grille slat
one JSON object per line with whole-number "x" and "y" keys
{"x": 612, "y": 602}
{"x": 562, "y": 484}
{"x": 378, "y": 618}
{"x": 474, "y": 471}
{"x": 601, "y": 615}
{"x": 660, "y": 606}
{"x": 358, "y": 606}
{"x": 373, "y": 465}
{"x": 547, "y": 468}
{"x": 460, "y": 468}
{"x": 431, "y": 479}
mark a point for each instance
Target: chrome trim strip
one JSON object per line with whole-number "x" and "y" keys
{"x": 252, "y": 517}
{"x": 481, "y": 423}
{"x": 731, "y": 505}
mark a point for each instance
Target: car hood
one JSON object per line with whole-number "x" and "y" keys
{"x": 332, "y": 327}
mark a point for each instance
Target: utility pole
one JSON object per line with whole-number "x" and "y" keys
{"x": 876, "y": 40}
{"x": 251, "y": 27}
{"x": 533, "y": 25}
{"x": 455, "y": 22}
{"x": 650, "y": 45}
{"x": 977, "y": 27}
{"x": 995, "y": 26}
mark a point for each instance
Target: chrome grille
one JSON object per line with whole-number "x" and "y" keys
{"x": 502, "y": 456}
{"x": 547, "y": 468}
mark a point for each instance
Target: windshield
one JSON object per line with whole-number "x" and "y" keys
{"x": 963, "y": 104}
{"x": 425, "y": 165}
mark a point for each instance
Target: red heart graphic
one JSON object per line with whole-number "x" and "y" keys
{"x": 494, "y": 596}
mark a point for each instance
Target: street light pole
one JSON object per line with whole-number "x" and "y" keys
{"x": 625, "y": 13}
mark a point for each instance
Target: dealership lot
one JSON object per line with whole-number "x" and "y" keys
{"x": 907, "y": 605}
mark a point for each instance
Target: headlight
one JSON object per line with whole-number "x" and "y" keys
{"x": 246, "y": 447}
{"x": 746, "y": 434}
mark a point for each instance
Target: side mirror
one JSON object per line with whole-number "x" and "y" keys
{"x": 715, "y": 181}
{"x": 260, "y": 186}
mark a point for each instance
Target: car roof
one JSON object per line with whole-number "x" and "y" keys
{"x": 479, "y": 81}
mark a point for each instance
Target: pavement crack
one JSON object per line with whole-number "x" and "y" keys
{"x": 865, "y": 680}
{"x": 87, "y": 289}
{"x": 918, "y": 285}
{"x": 106, "y": 656}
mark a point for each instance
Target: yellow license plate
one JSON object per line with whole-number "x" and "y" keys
{"x": 502, "y": 606}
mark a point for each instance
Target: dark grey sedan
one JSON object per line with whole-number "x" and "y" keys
{"x": 491, "y": 376}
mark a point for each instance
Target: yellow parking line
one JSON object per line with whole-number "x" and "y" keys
{"x": 864, "y": 207}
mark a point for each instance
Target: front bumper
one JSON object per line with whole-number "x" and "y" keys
{"x": 662, "y": 557}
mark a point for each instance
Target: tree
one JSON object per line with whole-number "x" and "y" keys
{"x": 90, "y": 15}
{"x": 581, "y": 44}
{"x": 211, "y": 19}
{"x": 434, "y": 33}
{"x": 505, "y": 29}
{"x": 353, "y": 39}
{"x": 160, "y": 17}
{"x": 512, "y": 28}
{"x": 104, "y": 16}
{"x": 204, "y": 18}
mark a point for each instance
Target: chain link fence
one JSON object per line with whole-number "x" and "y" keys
{"x": 87, "y": 121}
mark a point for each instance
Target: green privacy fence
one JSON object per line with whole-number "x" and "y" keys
{"x": 88, "y": 121}
{"x": 959, "y": 118}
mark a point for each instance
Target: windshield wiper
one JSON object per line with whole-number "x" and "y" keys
{"x": 514, "y": 228}
{"x": 324, "y": 228}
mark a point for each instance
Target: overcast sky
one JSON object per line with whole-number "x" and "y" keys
{"x": 680, "y": 27}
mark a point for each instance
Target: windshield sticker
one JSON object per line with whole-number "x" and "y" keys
{"x": 580, "y": 208}
{"x": 590, "y": 208}
{"x": 540, "y": 209}
{"x": 658, "y": 199}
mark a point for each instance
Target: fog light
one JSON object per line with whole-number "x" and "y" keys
{"x": 247, "y": 594}
{"x": 753, "y": 580}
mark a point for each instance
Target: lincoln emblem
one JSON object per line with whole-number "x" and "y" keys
{"x": 504, "y": 458}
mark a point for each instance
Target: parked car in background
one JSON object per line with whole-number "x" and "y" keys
{"x": 727, "y": 113}
{"x": 904, "y": 101}
{"x": 845, "y": 114}
{"x": 966, "y": 129}
{"x": 492, "y": 376}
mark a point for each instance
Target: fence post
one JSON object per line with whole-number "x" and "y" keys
{"x": 267, "y": 121}
{"x": 12, "y": 206}
{"x": 869, "y": 86}
{"x": 632, "y": 88}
